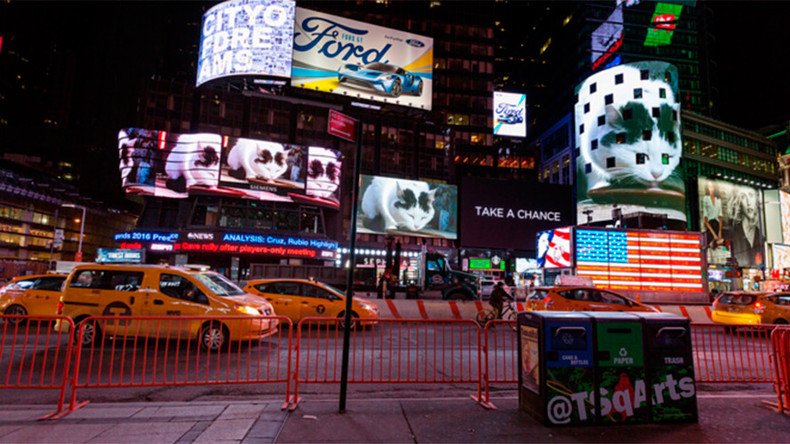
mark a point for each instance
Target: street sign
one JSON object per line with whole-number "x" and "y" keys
{"x": 342, "y": 126}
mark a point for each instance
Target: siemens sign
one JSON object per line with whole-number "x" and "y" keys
{"x": 246, "y": 38}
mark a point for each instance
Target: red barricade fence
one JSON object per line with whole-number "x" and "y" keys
{"x": 393, "y": 351}
{"x": 148, "y": 351}
{"x": 780, "y": 343}
{"x": 729, "y": 354}
{"x": 34, "y": 356}
{"x": 500, "y": 348}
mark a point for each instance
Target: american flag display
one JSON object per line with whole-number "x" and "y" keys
{"x": 554, "y": 248}
{"x": 640, "y": 260}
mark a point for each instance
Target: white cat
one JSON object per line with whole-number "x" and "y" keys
{"x": 636, "y": 135}
{"x": 323, "y": 172}
{"x": 401, "y": 204}
{"x": 194, "y": 160}
{"x": 257, "y": 159}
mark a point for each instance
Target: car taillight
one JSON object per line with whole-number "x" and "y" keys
{"x": 759, "y": 307}
{"x": 547, "y": 302}
{"x": 60, "y": 308}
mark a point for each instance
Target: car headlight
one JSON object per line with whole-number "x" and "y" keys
{"x": 247, "y": 310}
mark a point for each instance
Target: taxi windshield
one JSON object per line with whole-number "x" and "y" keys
{"x": 219, "y": 284}
{"x": 333, "y": 289}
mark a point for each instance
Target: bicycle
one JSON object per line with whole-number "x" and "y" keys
{"x": 508, "y": 314}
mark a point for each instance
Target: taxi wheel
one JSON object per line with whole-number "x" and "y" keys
{"x": 91, "y": 333}
{"x": 15, "y": 310}
{"x": 342, "y": 322}
{"x": 213, "y": 336}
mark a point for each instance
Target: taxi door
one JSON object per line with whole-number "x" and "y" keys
{"x": 285, "y": 297}
{"x": 319, "y": 302}
{"x": 176, "y": 295}
{"x": 42, "y": 298}
{"x": 610, "y": 301}
{"x": 108, "y": 292}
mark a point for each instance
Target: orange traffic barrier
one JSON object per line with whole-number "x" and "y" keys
{"x": 393, "y": 351}
{"x": 32, "y": 356}
{"x": 780, "y": 343}
{"x": 147, "y": 351}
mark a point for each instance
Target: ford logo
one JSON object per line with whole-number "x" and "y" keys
{"x": 415, "y": 43}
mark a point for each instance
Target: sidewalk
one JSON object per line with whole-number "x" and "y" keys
{"x": 725, "y": 416}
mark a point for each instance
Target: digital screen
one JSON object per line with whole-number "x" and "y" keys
{"x": 664, "y": 22}
{"x": 640, "y": 260}
{"x": 784, "y": 203}
{"x": 554, "y": 248}
{"x": 362, "y": 61}
{"x": 607, "y": 38}
{"x": 119, "y": 256}
{"x": 510, "y": 114}
{"x": 407, "y": 207}
{"x": 781, "y": 258}
{"x": 628, "y": 145}
{"x": 246, "y": 38}
{"x": 731, "y": 219}
{"x": 497, "y": 214}
{"x": 159, "y": 163}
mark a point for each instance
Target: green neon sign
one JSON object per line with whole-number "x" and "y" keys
{"x": 664, "y": 20}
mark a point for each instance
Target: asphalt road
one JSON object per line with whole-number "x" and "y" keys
{"x": 423, "y": 356}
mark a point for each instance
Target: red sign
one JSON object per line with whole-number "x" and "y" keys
{"x": 342, "y": 126}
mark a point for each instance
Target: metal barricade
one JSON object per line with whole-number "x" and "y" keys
{"x": 393, "y": 351}
{"x": 732, "y": 354}
{"x": 780, "y": 345}
{"x": 148, "y": 351}
{"x": 33, "y": 356}
{"x": 500, "y": 354}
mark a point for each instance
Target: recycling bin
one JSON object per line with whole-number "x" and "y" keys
{"x": 621, "y": 393}
{"x": 555, "y": 355}
{"x": 669, "y": 368}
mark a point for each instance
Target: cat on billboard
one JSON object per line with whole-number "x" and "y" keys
{"x": 628, "y": 144}
{"x": 165, "y": 164}
{"x": 407, "y": 207}
{"x": 262, "y": 169}
{"x": 324, "y": 166}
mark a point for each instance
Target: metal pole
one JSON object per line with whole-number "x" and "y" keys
{"x": 52, "y": 245}
{"x": 350, "y": 276}
{"x": 82, "y": 231}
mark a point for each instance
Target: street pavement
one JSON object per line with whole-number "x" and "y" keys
{"x": 727, "y": 414}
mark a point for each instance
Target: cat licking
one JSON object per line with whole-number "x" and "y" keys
{"x": 398, "y": 204}
{"x": 193, "y": 161}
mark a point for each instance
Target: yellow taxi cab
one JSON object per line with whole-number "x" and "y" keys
{"x": 576, "y": 298}
{"x": 160, "y": 290}
{"x": 300, "y": 298}
{"x": 751, "y": 308}
{"x": 34, "y": 295}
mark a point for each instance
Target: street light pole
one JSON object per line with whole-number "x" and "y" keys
{"x": 78, "y": 256}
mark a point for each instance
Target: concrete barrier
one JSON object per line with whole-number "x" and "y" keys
{"x": 440, "y": 309}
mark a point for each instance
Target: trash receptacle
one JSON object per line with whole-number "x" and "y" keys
{"x": 669, "y": 368}
{"x": 555, "y": 353}
{"x": 620, "y": 369}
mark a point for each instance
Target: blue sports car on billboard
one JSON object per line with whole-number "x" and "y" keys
{"x": 388, "y": 79}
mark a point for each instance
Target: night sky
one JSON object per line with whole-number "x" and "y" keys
{"x": 106, "y": 49}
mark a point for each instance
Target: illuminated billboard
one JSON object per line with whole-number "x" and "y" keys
{"x": 640, "y": 260}
{"x": 554, "y": 248}
{"x": 664, "y": 22}
{"x": 607, "y": 38}
{"x": 499, "y": 214}
{"x": 781, "y": 257}
{"x": 363, "y": 61}
{"x": 159, "y": 163}
{"x": 246, "y": 38}
{"x": 510, "y": 114}
{"x": 407, "y": 207}
{"x": 784, "y": 202}
{"x": 628, "y": 146}
{"x": 730, "y": 217}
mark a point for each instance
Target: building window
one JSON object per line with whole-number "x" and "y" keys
{"x": 587, "y": 168}
{"x": 594, "y": 144}
{"x": 608, "y": 99}
{"x": 586, "y": 108}
{"x": 656, "y": 112}
{"x": 610, "y": 163}
{"x": 581, "y": 129}
{"x": 665, "y": 159}
{"x": 640, "y": 158}
{"x": 644, "y": 74}
{"x": 601, "y": 120}
{"x": 647, "y": 134}
{"x": 637, "y": 93}
{"x": 593, "y": 88}
{"x": 619, "y": 138}
{"x": 662, "y": 92}
{"x": 618, "y": 79}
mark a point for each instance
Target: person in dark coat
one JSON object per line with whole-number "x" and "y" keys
{"x": 498, "y": 298}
